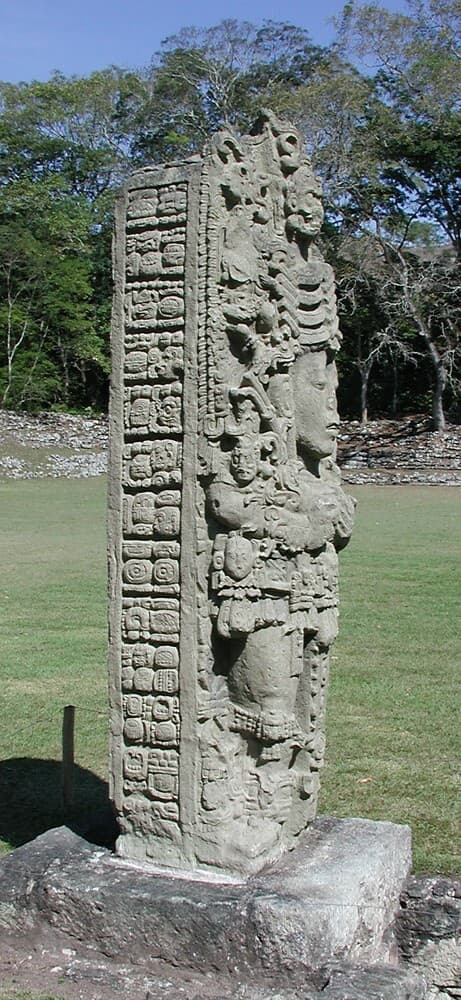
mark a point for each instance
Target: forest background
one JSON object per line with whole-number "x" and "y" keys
{"x": 385, "y": 141}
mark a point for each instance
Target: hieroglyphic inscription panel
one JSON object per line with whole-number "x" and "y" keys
{"x": 147, "y": 510}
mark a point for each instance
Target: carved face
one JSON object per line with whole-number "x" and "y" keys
{"x": 140, "y": 467}
{"x": 303, "y": 207}
{"x": 142, "y": 657}
{"x": 244, "y": 464}
{"x": 304, "y": 214}
{"x": 315, "y": 382}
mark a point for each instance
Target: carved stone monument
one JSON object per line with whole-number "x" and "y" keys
{"x": 226, "y": 513}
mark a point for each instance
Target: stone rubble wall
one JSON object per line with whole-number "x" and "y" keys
{"x": 428, "y": 930}
{"x": 384, "y": 453}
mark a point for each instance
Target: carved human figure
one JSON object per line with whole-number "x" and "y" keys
{"x": 265, "y": 552}
{"x": 275, "y": 499}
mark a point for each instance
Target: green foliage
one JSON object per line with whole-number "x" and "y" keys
{"x": 75, "y": 129}
{"x": 389, "y": 153}
{"x": 204, "y": 79}
{"x": 387, "y": 146}
{"x": 50, "y": 323}
{"x": 64, "y": 150}
{"x": 413, "y": 129}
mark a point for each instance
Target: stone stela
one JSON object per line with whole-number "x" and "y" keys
{"x": 225, "y": 511}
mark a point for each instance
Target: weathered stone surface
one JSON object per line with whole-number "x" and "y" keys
{"x": 374, "y": 984}
{"x": 336, "y": 895}
{"x": 23, "y": 869}
{"x": 428, "y": 931}
{"x": 77, "y": 978}
{"x": 430, "y": 911}
{"x": 331, "y": 900}
{"x": 226, "y": 513}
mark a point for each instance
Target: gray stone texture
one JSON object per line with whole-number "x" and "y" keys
{"x": 226, "y": 512}
{"x": 330, "y": 901}
{"x": 428, "y": 932}
{"x": 73, "y": 977}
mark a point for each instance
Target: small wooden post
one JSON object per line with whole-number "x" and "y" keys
{"x": 67, "y": 773}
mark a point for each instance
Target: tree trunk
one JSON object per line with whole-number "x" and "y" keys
{"x": 65, "y": 370}
{"x": 438, "y": 415}
{"x": 12, "y": 345}
{"x": 364, "y": 378}
{"x": 30, "y": 376}
{"x": 395, "y": 388}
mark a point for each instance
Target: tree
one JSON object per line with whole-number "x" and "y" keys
{"x": 419, "y": 83}
{"x": 49, "y": 330}
{"x": 428, "y": 290}
{"x": 18, "y": 280}
{"x": 65, "y": 148}
{"x": 75, "y": 129}
{"x": 388, "y": 149}
{"x": 204, "y": 79}
{"x": 386, "y": 146}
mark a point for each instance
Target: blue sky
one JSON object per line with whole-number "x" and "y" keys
{"x": 79, "y": 36}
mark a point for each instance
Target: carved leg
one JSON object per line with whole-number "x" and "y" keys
{"x": 263, "y": 682}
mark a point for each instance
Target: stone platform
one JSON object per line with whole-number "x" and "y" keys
{"x": 332, "y": 900}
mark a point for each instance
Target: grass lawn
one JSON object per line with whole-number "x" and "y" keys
{"x": 393, "y": 720}
{"x": 52, "y": 648}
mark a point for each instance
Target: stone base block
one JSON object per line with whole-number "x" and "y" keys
{"x": 332, "y": 899}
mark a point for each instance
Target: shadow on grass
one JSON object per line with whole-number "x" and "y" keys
{"x": 31, "y": 802}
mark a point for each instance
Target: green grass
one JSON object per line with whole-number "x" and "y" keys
{"x": 393, "y": 718}
{"x": 393, "y": 727}
{"x": 52, "y": 649}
